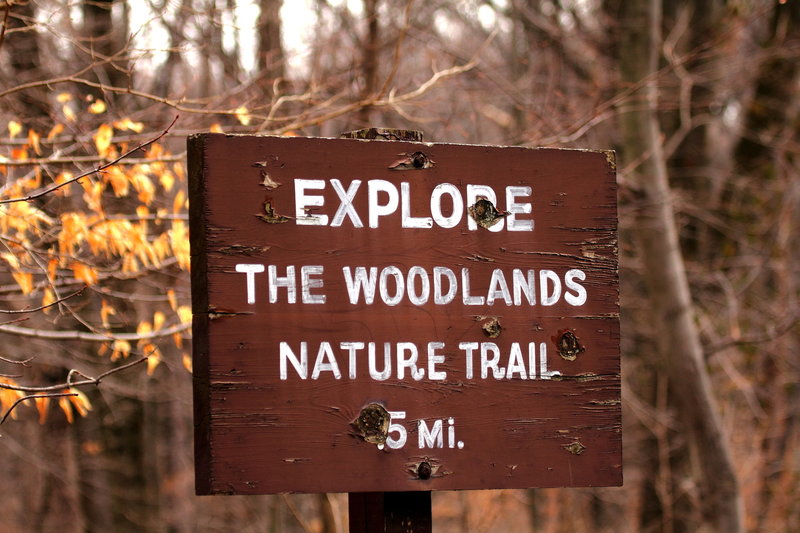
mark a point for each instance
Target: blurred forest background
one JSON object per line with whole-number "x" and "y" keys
{"x": 700, "y": 98}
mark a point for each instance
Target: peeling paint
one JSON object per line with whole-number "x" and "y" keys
{"x": 575, "y": 448}
{"x": 412, "y": 161}
{"x": 270, "y": 216}
{"x": 485, "y": 213}
{"x": 242, "y": 249}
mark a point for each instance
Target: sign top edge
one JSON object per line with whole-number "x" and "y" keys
{"x": 608, "y": 153}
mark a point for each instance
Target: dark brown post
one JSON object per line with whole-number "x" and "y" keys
{"x": 390, "y": 512}
{"x": 373, "y": 512}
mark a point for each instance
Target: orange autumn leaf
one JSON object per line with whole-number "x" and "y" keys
{"x": 97, "y": 107}
{"x": 66, "y": 407}
{"x": 52, "y": 269}
{"x": 42, "y": 403}
{"x": 102, "y": 139}
{"x": 153, "y": 358}
{"x": 14, "y": 128}
{"x": 33, "y": 142}
{"x": 84, "y": 272}
{"x": 121, "y": 348}
{"x": 56, "y": 130}
{"x": 48, "y": 299}
{"x": 242, "y": 115}
{"x": 106, "y": 311}
{"x": 177, "y": 203}
{"x": 158, "y": 320}
{"x": 173, "y": 300}
{"x": 24, "y": 280}
{"x": 128, "y": 124}
{"x": 187, "y": 362}
{"x": 80, "y": 402}
{"x": 185, "y": 314}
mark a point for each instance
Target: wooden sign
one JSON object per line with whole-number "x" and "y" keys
{"x": 398, "y": 316}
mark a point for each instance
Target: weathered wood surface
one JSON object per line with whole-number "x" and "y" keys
{"x": 258, "y": 433}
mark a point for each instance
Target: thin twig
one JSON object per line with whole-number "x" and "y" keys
{"x": 100, "y": 168}
{"x": 81, "y": 383}
{"x": 88, "y": 159}
{"x": 24, "y": 362}
{"x": 41, "y": 307}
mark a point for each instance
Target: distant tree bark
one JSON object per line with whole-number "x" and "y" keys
{"x": 270, "y": 59}
{"x": 369, "y": 60}
{"x": 107, "y": 41}
{"x": 664, "y": 271}
{"x": 25, "y": 62}
{"x": 764, "y": 157}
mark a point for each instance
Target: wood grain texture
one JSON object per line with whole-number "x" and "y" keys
{"x": 256, "y": 433}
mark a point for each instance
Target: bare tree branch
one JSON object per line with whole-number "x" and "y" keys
{"x": 100, "y": 168}
{"x": 92, "y": 337}
{"x": 41, "y": 307}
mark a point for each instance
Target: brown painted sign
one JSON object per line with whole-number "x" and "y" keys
{"x": 395, "y": 316}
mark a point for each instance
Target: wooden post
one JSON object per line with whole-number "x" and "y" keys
{"x": 389, "y": 512}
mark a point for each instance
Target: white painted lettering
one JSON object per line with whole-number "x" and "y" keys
{"x": 434, "y": 359}
{"x": 469, "y": 348}
{"x": 300, "y": 365}
{"x": 326, "y": 362}
{"x": 545, "y": 295}
{"x": 409, "y": 362}
{"x": 452, "y": 285}
{"x": 288, "y": 281}
{"x": 307, "y": 283}
{"x": 579, "y": 298}
{"x": 384, "y": 374}
{"x": 514, "y": 209}
{"x": 352, "y": 348}
{"x": 543, "y": 372}
{"x": 421, "y": 297}
{"x": 407, "y": 221}
{"x": 430, "y": 438}
{"x": 524, "y": 286}
{"x": 515, "y": 363}
{"x": 436, "y": 205}
{"x": 303, "y": 201}
{"x": 250, "y": 271}
{"x": 361, "y": 283}
{"x": 467, "y": 298}
{"x": 492, "y": 363}
{"x": 498, "y": 288}
{"x": 377, "y": 210}
{"x": 399, "y": 285}
{"x": 346, "y": 203}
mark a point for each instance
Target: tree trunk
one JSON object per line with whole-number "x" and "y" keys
{"x": 270, "y": 49}
{"x": 23, "y": 51}
{"x": 665, "y": 276}
{"x": 369, "y": 61}
{"x": 107, "y": 42}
